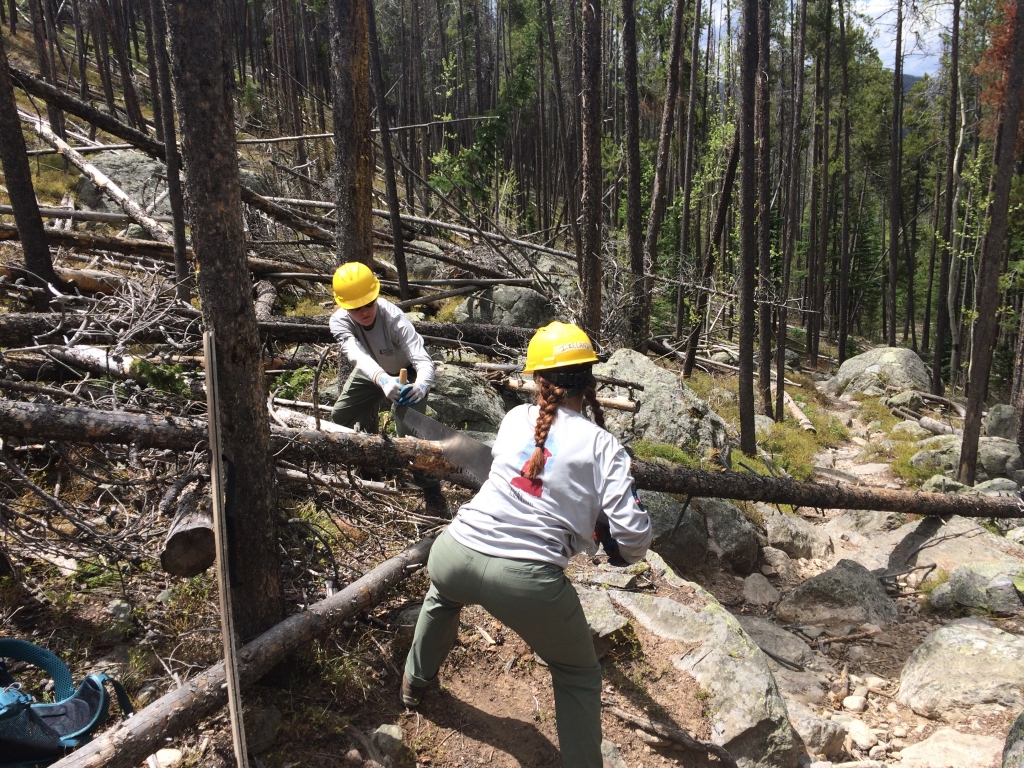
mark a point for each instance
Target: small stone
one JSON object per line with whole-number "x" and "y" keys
{"x": 871, "y": 681}
{"x": 119, "y": 609}
{"x": 757, "y": 590}
{"x": 618, "y": 580}
{"x": 899, "y": 732}
{"x": 165, "y": 596}
{"x": 861, "y": 735}
{"x": 767, "y": 570}
{"x": 148, "y": 693}
{"x": 388, "y": 739}
{"x": 855, "y": 703}
{"x": 261, "y": 727}
{"x": 812, "y": 632}
{"x": 168, "y": 758}
{"x": 612, "y": 756}
{"x": 877, "y": 752}
{"x": 353, "y": 758}
{"x": 860, "y": 690}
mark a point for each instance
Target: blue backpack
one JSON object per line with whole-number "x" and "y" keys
{"x": 33, "y": 734}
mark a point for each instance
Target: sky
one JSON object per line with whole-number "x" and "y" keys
{"x": 922, "y": 43}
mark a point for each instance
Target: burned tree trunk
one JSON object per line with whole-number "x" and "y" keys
{"x": 189, "y": 548}
{"x": 18, "y": 179}
{"x": 202, "y": 77}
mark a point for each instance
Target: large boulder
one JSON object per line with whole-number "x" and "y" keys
{"x": 733, "y": 537}
{"x": 1013, "y": 747}
{"x": 968, "y": 664}
{"x": 882, "y": 369}
{"x": 463, "y": 399}
{"x": 138, "y": 176}
{"x": 988, "y": 586}
{"x": 747, "y": 712}
{"x": 931, "y": 540}
{"x": 507, "y": 305}
{"x": 669, "y": 410}
{"x": 687, "y": 546}
{"x": 847, "y": 593}
{"x": 947, "y": 747}
{"x": 805, "y": 686}
{"x": 798, "y": 538}
{"x": 1001, "y": 422}
{"x": 863, "y": 521}
{"x": 997, "y": 457}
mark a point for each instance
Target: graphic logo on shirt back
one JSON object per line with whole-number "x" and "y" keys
{"x": 534, "y": 486}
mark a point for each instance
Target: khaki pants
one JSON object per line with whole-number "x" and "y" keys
{"x": 360, "y": 400}
{"x": 536, "y": 601}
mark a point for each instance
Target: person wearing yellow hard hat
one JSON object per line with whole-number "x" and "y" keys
{"x": 557, "y": 482}
{"x": 379, "y": 340}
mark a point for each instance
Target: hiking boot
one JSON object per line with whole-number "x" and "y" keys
{"x": 436, "y": 503}
{"x": 411, "y": 694}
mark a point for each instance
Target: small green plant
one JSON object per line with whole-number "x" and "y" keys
{"x": 902, "y": 452}
{"x": 648, "y": 450}
{"x": 447, "y": 313}
{"x": 305, "y": 307}
{"x": 871, "y": 409}
{"x": 936, "y": 578}
{"x": 167, "y": 378}
{"x": 792, "y": 448}
{"x": 291, "y": 384}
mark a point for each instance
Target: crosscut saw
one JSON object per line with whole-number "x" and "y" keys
{"x": 471, "y": 456}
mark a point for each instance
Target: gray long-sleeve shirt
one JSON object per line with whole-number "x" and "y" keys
{"x": 390, "y": 345}
{"x": 551, "y": 518}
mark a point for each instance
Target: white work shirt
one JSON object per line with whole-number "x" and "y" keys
{"x": 389, "y": 346}
{"x": 551, "y": 518}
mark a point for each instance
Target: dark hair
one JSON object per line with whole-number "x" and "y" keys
{"x": 549, "y": 397}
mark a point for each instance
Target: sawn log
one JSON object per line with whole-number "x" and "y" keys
{"x": 37, "y": 422}
{"x": 127, "y": 744}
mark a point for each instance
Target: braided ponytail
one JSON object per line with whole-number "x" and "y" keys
{"x": 549, "y": 397}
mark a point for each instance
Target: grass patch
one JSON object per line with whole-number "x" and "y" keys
{"x": 51, "y": 184}
{"x": 292, "y": 384}
{"x": 871, "y": 409}
{"x": 792, "y": 448}
{"x": 902, "y": 452}
{"x": 648, "y": 451}
{"x": 447, "y": 312}
{"x": 305, "y": 307}
{"x": 935, "y": 579}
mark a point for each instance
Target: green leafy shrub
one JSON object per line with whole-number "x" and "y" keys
{"x": 291, "y": 384}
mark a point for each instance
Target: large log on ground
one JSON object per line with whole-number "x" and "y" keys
{"x": 38, "y": 422}
{"x": 189, "y": 548}
{"x": 128, "y": 744}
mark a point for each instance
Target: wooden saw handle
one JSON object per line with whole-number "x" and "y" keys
{"x": 403, "y": 377}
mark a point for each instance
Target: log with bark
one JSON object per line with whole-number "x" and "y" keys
{"x": 131, "y": 741}
{"x": 797, "y": 413}
{"x": 38, "y": 422}
{"x": 615, "y": 403}
{"x": 189, "y": 548}
{"x": 937, "y": 427}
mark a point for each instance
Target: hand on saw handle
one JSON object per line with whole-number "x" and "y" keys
{"x": 390, "y": 385}
{"x": 603, "y": 535}
{"x": 412, "y": 394}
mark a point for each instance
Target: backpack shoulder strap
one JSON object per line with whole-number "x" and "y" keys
{"x": 22, "y": 650}
{"x": 125, "y": 703}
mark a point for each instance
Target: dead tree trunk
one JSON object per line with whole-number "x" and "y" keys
{"x": 129, "y": 743}
{"x": 353, "y": 153}
{"x": 590, "y": 232}
{"x": 203, "y": 79}
{"x": 638, "y": 310}
{"x": 762, "y": 124}
{"x": 189, "y": 548}
{"x": 18, "y": 180}
{"x": 748, "y": 224}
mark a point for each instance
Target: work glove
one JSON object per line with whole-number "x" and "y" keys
{"x": 603, "y": 535}
{"x": 412, "y": 394}
{"x": 389, "y": 385}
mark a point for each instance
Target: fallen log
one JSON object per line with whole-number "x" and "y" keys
{"x": 85, "y": 280}
{"x": 937, "y": 427}
{"x": 615, "y": 403}
{"x": 189, "y": 548}
{"x": 39, "y": 422}
{"x": 796, "y": 412}
{"x": 131, "y": 741}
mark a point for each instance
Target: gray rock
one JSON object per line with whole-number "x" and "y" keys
{"x": 388, "y": 739}
{"x": 846, "y": 593}
{"x": 420, "y": 265}
{"x": 688, "y": 547}
{"x": 880, "y": 369}
{"x": 763, "y": 425}
{"x": 747, "y": 713}
{"x": 997, "y": 457}
{"x": 907, "y": 399}
{"x": 1000, "y": 486}
{"x": 861, "y": 735}
{"x": 941, "y": 598}
{"x": 757, "y": 590}
{"x": 669, "y": 411}
{"x": 793, "y": 359}
{"x": 463, "y": 399}
{"x": 724, "y": 356}
{"x": 612, "y": 756}
{"x": 947, "y": 747}
{"x": 909, "y": 430}
{"x": 618, "y": 579}
{"x": 820, "y": 736}
{"x": 798, "y": 538}
{"x": 507, "y": 305}
{"x": 965, "y": 664}
{"x": 941, "y": 484}
{"x": 804, "y": 688}
{"x": 781, "y": 563}
{"x": 1016, "y": 535}
{"x": 1000, "y": 422}
{"x": 139, "y": 176}
{"x": 119, "y": 609}
{"x": 732, "y": 537}
{"x": 1013, "y": 747}
{"x": 863, "y": 521}
{"x": 986, "y": 586}
{"x": 261, "y": 728}
{"x": 601, "y": 615}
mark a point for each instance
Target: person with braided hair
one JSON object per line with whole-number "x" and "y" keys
{"x": 557, "y": 482}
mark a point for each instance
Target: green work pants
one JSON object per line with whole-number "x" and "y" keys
{"x": 359, "y": 401}
{"x": 536, "y": 601}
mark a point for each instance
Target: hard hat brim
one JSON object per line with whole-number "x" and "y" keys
{"x": 362, "y": 301}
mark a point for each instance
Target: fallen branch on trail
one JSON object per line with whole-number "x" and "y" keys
{"x": 797, "y": 413}
{"x": 938, "y": 427}
{"x": 675, "y": 735}
{"x": 38, "y": 422}
{"x": 86, "y": 280}
{"x": 130, "y": 742}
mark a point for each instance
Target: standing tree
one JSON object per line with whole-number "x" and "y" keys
{"x": 203, "y": 79}
{"x": 353, "y": 151}
{"x": 18, "y": 179}
{"x": 590, "y": 236}
{"x": 764, "y": 246}
{"x": 894, "y": 180}
{"x": 992, "y": 257}
{"x": 638, "y": 306}
{"x": 748, "y": 223}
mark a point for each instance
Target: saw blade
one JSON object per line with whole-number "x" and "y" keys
{"x": 472, "y": 456}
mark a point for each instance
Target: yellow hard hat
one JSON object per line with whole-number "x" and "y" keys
{"x": 355, "y": 285}
{"x": 558, "y": 345}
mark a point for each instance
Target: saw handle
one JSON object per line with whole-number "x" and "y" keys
{"x": 403, "y": 377}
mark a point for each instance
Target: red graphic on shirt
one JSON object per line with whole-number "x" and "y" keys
{"x": 534, "y": 487}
